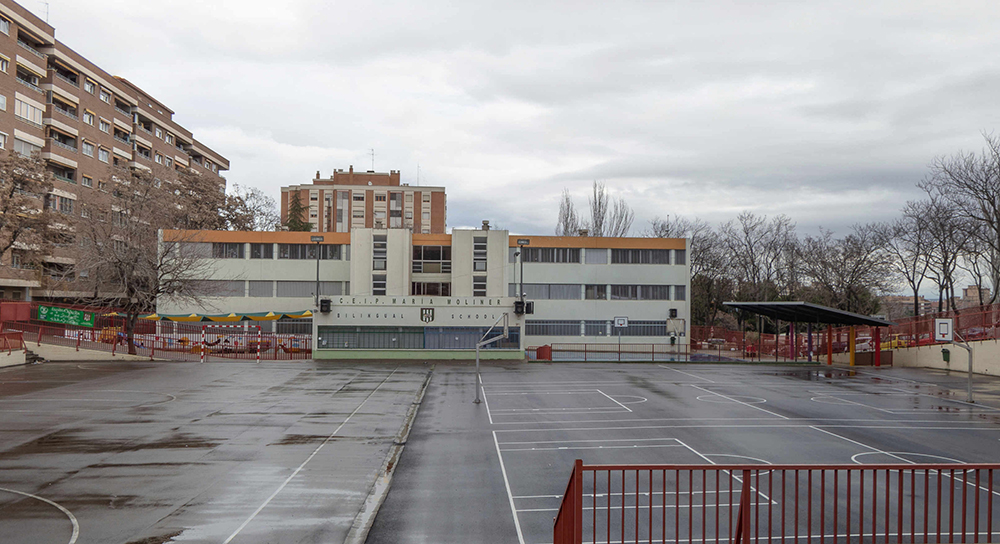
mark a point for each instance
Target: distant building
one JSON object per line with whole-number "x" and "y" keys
{"x": 899, "y": 306}
{"x": 973, "y": 296}
{"x": 348, "y": 200}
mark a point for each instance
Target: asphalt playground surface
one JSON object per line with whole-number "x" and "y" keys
{"x": 186, "y": 452}
{"x": 495, "y": 472}
{"x": 289, "y": 452}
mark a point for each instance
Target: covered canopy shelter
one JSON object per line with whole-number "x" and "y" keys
{"x": 807, "y": 312}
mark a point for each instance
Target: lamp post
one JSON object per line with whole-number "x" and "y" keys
{"x": 521, "y": 242}
{"x": 317, "y": 239}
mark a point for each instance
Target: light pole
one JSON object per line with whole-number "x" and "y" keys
{"x": 521, "y": 242}
{"x": 317, "y": 239}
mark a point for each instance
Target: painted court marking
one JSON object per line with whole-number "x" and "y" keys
{"x": 72, "y": 518}
{"x": 304, "y": 463}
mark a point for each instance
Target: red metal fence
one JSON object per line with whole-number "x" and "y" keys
{"x": 899, "y": 503}
{"x": 10, "y": 341}
{"x": 610, "y": 352}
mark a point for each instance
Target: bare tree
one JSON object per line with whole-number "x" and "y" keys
{"x": 907, "y": 241}
{"x": 619, "y": 223}
{"x": 569, "y": 223}
{"x": 249, "y": 209}
{"x": 25, "y": 217}
{"x": 949, "y": 234}
{"x": 711, "y": 284}
{"x": 970, "y": 183}
{"x": 608, "y": 216}
{"x": 758, "y": 250}
{"x": 121, "y": 262}
{"x": 848, "y": 273}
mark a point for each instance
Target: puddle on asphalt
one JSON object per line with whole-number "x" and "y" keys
{"x": 70, "y": 442}
{"x": 812, "y": 375}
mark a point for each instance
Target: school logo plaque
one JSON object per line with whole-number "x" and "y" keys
{"x": 427, "y": 315}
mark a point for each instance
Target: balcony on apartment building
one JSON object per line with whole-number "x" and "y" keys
{"x": 68, "y": 76}
{"x": 65, "y": 108}
{"x": 62, "y": 141}
{"x": 62, "y": 174}
{"x": 31, "y": 47}
{"x": 28, "y": 79}
{"x": 123, "y": 108}
{"x": 142, "y": 152}
{"x": 122, "y": 136}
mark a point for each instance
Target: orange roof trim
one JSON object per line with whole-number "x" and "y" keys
{"x": 597, "y": 242}
{"x": 236, "y": 237}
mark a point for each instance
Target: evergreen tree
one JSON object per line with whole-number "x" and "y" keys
{"x": 295, "y": 210}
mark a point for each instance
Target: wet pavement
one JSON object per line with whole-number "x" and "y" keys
{"x": 187, "y": 452}
{"x": 495, "y": 472}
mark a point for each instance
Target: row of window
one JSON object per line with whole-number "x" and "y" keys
{"x": 266, "y": 289}
{"x": 575, "y": 291}
{"x": 412, "y": 338}
{"x": 224, "y": 250}
{"x": 556, "y": 327}
{"x": 599, "y": 256}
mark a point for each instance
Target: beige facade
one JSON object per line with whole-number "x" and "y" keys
{"x": 349, "y": 199}
{"x": 466, "y": 280}
{"x": 82, "y": 121}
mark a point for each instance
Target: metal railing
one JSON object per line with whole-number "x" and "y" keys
{"x": 894, "y": 503}
{"x": 63, "y": 178}
{"x": 67, "y": 113}
{"x": 67, "y": 80}
{"x": 122, "y": 140}
{"x": 67, "y": 147}
{"x": 31, "y": 86}
{"x": 611, "y": 352}
{"x": 10, "y": 341}
{"x": 31, "y": 50}
{"x": 123, "y": 111}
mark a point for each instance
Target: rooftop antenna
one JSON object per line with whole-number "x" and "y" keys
{"x": 373, "y": 159}
{"x": 418, "y": 174}
{"x": 46, "y": 11}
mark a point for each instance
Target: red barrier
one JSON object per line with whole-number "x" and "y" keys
{"x": 742, "y": 503}
{"x": 10, "y": 341}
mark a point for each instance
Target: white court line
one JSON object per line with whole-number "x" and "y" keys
{"x": 72, "y": 518}
{"x": 641, "y": 493}
{"x": 581, "y": 409}
{"x": 644, "y": 507}
{"x": 304, "y": 463}
{"x": 782, "y": 426}
{"x": 758, "y": 492}
{"x": 590, "y": 440}
{"x": 739, "y": 402}
{"x": 633, "y": 446}
{"x": 510, "y": 496}
{"x": 614, "y": 401}
{"x": 553, "y": 422}
{"x": 553, "y": 392}
{"x": 686, "y": 373}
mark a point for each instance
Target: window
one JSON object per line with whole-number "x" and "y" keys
{"x": 102, "y": 185}
{"x": 168, "y": 161}
{"x": 4, "y": 64}
{"x": 103, "y": 155}
{"x": 27, "y": 112}
{"x": 409, "y": 197}
{"x": 159, "y": 132}
{"x": 551, "y": 327}
{"x": 306, "y": 252}
{"x": 169, "y": 138}
{"x": 3, "y": 141}
{"x": 105, "y": 96}
{"x": 426, "y": 197}
{"x": 479, "y": 254}
{"x": 431, "y": 259}
{"x": 378, "y": 284}
{"x": 26, "y": 148}
{"x": 596, "y": 256}
{"x": 479, "y": 286}
{"x": 90, "y": 86}
{"x": 640, "y": 292}
{"x": 66, "y": 205}
{"x": 313, "y": 197}
{"x": 5, "y": 26}
{"x": 547, "y": 291}
{"x": 358, "y": 197}
{"x": 551, "y": 255}
{"x": 379, "y": 247}
{"x": 88, "y": 149}
{"x": 595, "y": 292}
{"x": 3, "y": 102}
{"x": 680, "y": 256}
{"x": 84, "y": 213}
{"x": 680, "y": 292}
{"x": 261, "y": 289}
{"x": 262, "y": 251}
{"x": 227, "y": 250}
{"x": 88, "y": 181}
{"x": 358, "y": 214}
{"x": 379, "y": 198}
{"x": 432, "y": 289}
{"x": 159, "y": 159}
{"x": 88, "y": 118}
{"x": 105, "y": 126}
{"x": 640, "y": 256}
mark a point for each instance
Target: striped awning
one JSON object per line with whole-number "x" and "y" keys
{"x": 227, "y": 318}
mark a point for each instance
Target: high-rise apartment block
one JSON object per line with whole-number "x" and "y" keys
{"x": 82, "y": 120}
{"x": 348, "y": 200}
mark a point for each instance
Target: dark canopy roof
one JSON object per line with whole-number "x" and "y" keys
{"x": 807, "y": 312}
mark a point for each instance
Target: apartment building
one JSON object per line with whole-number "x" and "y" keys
{"x": 398, "y": 291}
{"x": 348, "y": 200}
{"x": 81, "y": 120}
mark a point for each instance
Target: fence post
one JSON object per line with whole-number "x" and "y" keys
{"x": 78, "y": 335}
{"x": 152, "y": 349}
{"x": 578, "y": 501}
{"x": 259, "y": 340}
{"x": 743, "y": 514}
{"x": 203, "y": 343}
{"x": 114, "y": 345}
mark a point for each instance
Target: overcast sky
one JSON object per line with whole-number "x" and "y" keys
{"x": 826, "y": 113}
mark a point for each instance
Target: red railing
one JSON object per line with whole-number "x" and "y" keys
{"x": 611, "y": 352}
{"x": 900, "y": 503}
{"x": 10, "y": 341}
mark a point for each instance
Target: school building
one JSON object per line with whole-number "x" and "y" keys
{"x": 392, "y": 292}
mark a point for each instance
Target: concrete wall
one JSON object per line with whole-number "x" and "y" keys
{"x": 986, "y": 357}
{"x": 63, "y": 353}
{"x": 15, "y": 357}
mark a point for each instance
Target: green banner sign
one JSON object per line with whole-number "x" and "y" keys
{"x": 65, "y": 316}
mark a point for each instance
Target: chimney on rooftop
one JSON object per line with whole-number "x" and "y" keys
{"x": 317, "y": 174}
{"x": 583, "y": 232}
